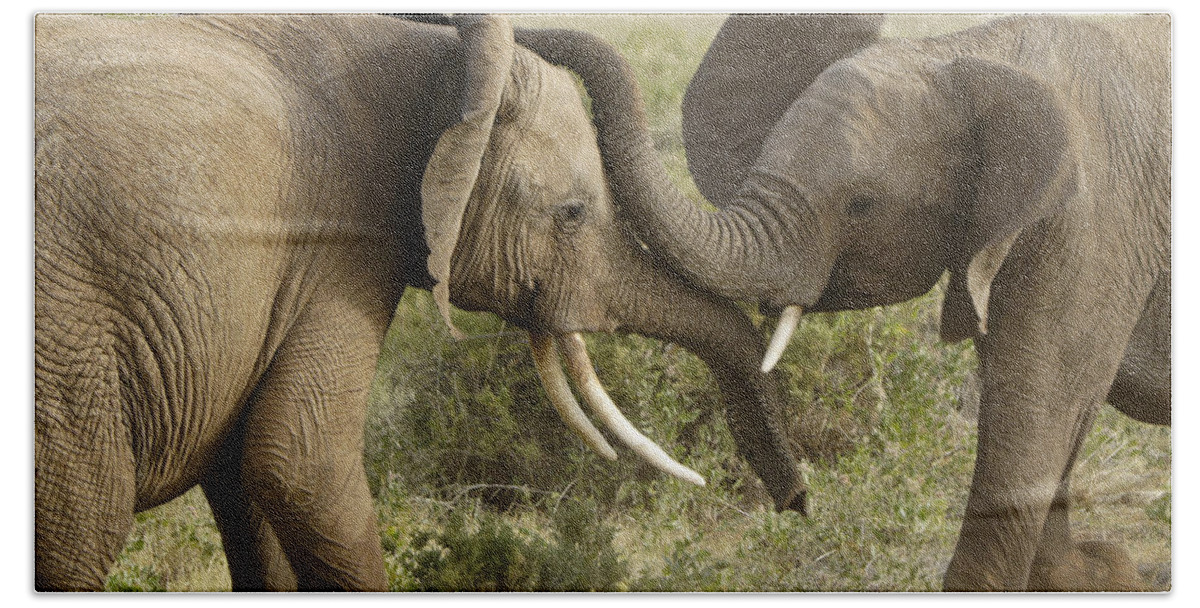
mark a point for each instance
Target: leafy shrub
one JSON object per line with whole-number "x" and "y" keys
{"x": 494, "y": 555}
{"x": 847, "y": 372}
{"x": 450, "y": 418}
{"x": 173, "y": 547}
{"x": 689, "y": 566}
{"x": 1160, "y": 509}
{"x": 451, "y": 415}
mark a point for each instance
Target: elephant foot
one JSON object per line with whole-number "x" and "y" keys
{"x": 1086, "y": 566}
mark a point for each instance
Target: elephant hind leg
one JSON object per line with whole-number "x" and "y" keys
{"x": 302, "y": 453}
{"x": 1108, "y": 564}
{"x": 1142, "y": 388}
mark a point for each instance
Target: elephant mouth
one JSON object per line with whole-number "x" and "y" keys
{"x": 844, "y": 299}
{"x": 546, "y": 349}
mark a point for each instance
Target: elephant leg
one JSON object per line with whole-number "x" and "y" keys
{"x": 1020, "y": 460}
{"x": 256, "y": 559}
{"x": 1044, "y": 378}
{"x": 1060, "y": 560}
{"x": 302, "y": 461}
{"x": 1142, "y": 388}
{"x": 84, "y": 480}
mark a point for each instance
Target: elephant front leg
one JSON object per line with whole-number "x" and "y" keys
{"x": 302, "y": 457}
{"x": 84, "y": 499}
{"x": 256, "y": 559}
{"x": 1038, "y": 403}
{"x": 84, "y": 473}
{"x": 1006, "y": 509}
{"x": 1061, "y": 564}
{"x": 1016, "y": 534}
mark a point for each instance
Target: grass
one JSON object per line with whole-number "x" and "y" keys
{"x": 480, "y": 486}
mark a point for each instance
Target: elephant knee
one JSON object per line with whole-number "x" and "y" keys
{"x": 304, "y": 483}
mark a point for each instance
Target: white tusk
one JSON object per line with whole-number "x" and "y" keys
{"x": 545, "y": 359}
{"x": 579, "y": 365}
{"x": 783, "y": 333}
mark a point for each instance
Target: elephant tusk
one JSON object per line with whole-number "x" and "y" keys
{"x": 545, "y": 359}
{"x": 783, "y": 333}
{"x": 579, "y": 366}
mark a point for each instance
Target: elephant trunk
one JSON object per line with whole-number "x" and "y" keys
{"x": 733, "y": 252}
{"x": 663, "y": 306}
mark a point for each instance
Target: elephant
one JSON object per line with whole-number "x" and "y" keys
{"x": 227, "y": 211}
{"x": 1029, "y": 157}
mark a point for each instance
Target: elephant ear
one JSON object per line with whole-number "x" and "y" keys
{"x": 450, "y": 176}
{"x": 1018, "y": 172}
{"x": 755, "y": 68}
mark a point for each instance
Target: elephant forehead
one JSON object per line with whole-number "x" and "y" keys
{"x": 878, "y": 91}
{"x": 858, "y": 124}
{"x": 544, "y": 98}
{"x": 543, "y": 134}
{"x": 550, "y": 163}
{"x": 560, "y": 122}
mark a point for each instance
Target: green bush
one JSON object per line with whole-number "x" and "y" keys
{"x": 689, "y": 566}
{"x": 469, "y": 417}
{"x": 477, "y": 550}
{"x": 450, "y": 419}
{"x": 849, "y": 372}
{"x": 173, "y": 547}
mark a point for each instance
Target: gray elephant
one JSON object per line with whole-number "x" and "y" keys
{"x": 1029, "y": 157}
{"x": 227, "y": 210}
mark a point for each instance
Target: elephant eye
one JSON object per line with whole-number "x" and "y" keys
{"x": 860, "y": 205}
{"x": 569, "y": 213}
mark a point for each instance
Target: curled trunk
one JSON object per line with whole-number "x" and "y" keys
{"x": 732, "y": 252}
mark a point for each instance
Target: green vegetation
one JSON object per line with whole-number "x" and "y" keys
{"x": 480, "y": 486}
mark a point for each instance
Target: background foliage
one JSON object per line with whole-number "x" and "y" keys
{"x": 480, "y": 486}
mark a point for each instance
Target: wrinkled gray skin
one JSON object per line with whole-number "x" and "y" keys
{"x": 724, "y": 126}
{"x": 227, "y": 211}
{"x": 1030, "y": 158}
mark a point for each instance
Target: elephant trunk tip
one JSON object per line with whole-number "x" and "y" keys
{"x": 798, "y": 503}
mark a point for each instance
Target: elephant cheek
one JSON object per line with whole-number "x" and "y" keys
{"x": 856, "y": 282}
{"x": 580, "y": 309}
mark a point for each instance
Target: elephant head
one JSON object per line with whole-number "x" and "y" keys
{"x": 520, "y": 221}
{"x": 723, "y": 127}
{"x": 861, "y": 189}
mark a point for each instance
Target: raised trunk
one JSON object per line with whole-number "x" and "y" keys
{"x": 734, "y": 252}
